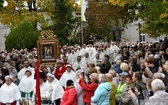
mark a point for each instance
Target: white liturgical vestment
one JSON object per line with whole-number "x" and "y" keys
{"x": 80, "y": 64}
{"x": 66, "y": 76}
{"x": 9, "y": 94}
{"x": 23, "y": 70}
{"x": 27, "y": 84}
{"x": 57, "y": 90}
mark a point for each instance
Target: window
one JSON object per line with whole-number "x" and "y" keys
{"x": 142, "y": 37}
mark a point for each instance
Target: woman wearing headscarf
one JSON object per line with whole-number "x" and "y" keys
{"x": 26, "y": 86}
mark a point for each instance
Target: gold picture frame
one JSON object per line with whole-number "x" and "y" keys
{"x": 48, "y": 47}
{"x": 48, "y": 51}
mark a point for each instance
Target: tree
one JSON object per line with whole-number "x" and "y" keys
{"x": 23, "y": 36}
{"x": 37, "y": 11}
{"x": 18, "y": 11}
{"x": 1, "y": 4}
{"x": 102, "y": 16}
{"x": 64, "y": 21}
{"x": 154, "y": 13}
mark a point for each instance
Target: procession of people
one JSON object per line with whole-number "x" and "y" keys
{"x": 116, "y": 73}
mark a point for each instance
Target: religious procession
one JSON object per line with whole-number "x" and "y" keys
{"x": 83, "y": 52}
{"x": 101, "y": 74}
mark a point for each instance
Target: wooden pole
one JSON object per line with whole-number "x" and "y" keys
{"x": 38, "y": 94}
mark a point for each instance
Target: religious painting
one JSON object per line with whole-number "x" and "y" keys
{"x": 48, "y": 52}
{"x": 48, "y": 47}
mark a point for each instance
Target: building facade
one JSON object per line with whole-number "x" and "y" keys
{"x": 132, "y": 34}
{"x": 4, "y": 31}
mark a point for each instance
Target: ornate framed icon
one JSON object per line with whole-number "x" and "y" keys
{"x": 48, "y": 47}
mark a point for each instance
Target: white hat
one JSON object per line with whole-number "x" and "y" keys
{"x": 50, "y": 75}
{"x": 8, "y": 76}
{"x": 69, "y": 66}
{"x": 28, "y": 70}
{"x": 78, "y": 71}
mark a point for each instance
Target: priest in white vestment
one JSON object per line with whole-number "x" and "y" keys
{"x": 9, "y": 93}
{"x": 26, "y": 87}
{"x": 79, "y": 64}
{"x": 72, "y": 57}
{"x": 86, "y": 59}
{"x": 68, "y": 74}
{"x": 57, "y": 89}
{"x": 101, "y": 54}
{"x": 96, "y": 60}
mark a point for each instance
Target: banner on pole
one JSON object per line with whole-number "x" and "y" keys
{"x": 83, "y": 4}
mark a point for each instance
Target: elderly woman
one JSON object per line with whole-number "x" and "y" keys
{"x": 160, "y": 96}
{"x": 89, "y": 88}
{"x": 102, "y": 93}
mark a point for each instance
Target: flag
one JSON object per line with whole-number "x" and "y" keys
{"x": 83, "y": 4}
{"x": 38, "y": 94}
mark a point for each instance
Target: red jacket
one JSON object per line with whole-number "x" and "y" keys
{"x": 89, "y": 90}
{"x": 59, "y": 72}
{"x": 69, "y": 97}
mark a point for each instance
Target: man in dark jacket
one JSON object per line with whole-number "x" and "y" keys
{"x": 139, "y": 84}
{"x": 105, "y": 66}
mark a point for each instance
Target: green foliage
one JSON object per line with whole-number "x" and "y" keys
{"x": 64, "y": 20}
{"x": 155, "y": 15}
{"x": 102, "y": 16}
{"x": 1, "y": 4}
{"x": 153, "y": 12}
{"x": 16, "y": 12}
{"x": 23, "y": 36}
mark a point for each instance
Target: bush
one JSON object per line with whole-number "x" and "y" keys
{"x": 23, "y": 36}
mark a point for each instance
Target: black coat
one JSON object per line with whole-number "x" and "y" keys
{"x": 105, "y": 67}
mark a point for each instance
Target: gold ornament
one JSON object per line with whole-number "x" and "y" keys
{"x": 47, "y": 35}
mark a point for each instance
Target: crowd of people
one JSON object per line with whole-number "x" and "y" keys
{"x": 116, "y": 73}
